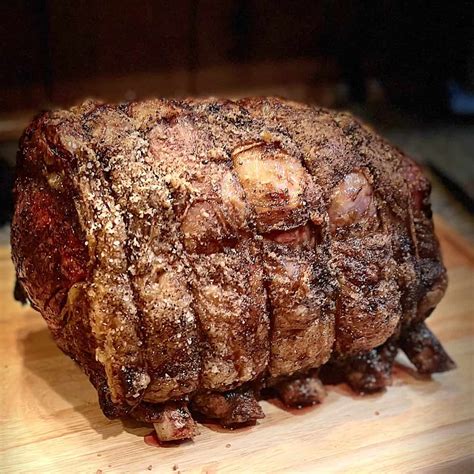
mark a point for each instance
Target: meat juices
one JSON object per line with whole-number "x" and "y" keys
{"x": 188, "y": 254}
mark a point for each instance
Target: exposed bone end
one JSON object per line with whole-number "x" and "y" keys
{"x": 425, "y": 351}
{"x": 230, "y": 408}
{"x": 372, "y": 371}
{"x": 172, "y": 421}
{"x": 302, "y": 391}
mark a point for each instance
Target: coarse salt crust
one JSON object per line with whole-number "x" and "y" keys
{"x": 201, "y": 247}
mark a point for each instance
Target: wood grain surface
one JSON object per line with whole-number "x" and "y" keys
{"x": 51, "y": 422}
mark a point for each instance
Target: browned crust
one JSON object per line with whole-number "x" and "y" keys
{"x": 153, "y": 306}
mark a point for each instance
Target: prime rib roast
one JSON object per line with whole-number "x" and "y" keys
{"x": 195, "y": 256}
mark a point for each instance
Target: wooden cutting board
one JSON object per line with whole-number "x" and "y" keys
{"x": 51, "y": 422}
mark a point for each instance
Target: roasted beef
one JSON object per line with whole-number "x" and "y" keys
{"x": 196, "y": 254}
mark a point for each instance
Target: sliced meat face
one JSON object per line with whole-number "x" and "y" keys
{"x": 51, "y": 227}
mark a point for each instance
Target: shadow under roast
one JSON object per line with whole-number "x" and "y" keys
{"x": 37, "y": 346}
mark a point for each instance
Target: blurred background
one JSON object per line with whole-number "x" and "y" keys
{"x": 407, "y": 67}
